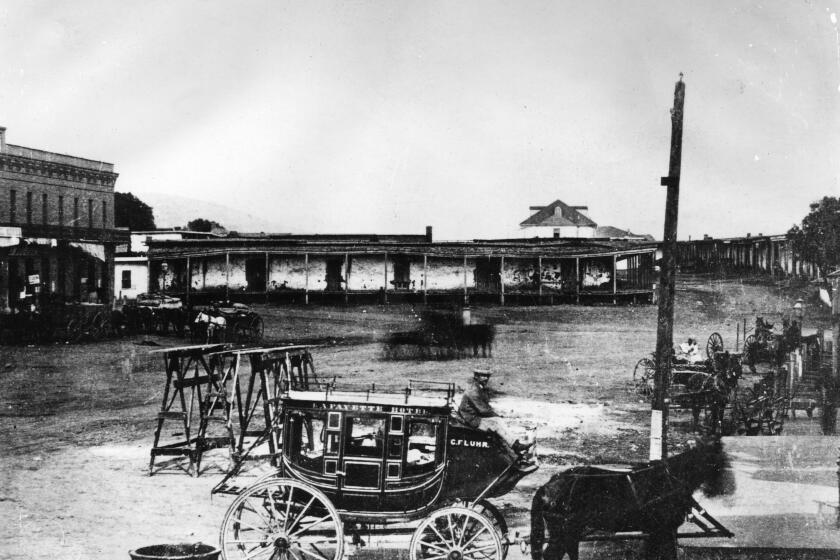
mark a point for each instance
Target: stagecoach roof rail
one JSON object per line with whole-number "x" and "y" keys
{"x": 367, "y": 397}
{"x": 436, "y": 386}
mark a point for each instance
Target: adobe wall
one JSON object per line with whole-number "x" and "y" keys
{"x": 288, "y": 272}
{"x": 519, "y": 274}
{"x": 368, "y": 273}
{"x": 448, "y": 274}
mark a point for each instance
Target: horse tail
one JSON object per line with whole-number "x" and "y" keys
{"x": 537, "y": 524}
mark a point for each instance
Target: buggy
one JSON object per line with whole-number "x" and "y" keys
{"x": 365, "y": 463}
{"x": 224, "y": 321}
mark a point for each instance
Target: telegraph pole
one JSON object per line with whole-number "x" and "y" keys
{"x": 665, "y": 323}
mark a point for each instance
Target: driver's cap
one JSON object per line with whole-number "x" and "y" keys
{"x": 481, "y": 373}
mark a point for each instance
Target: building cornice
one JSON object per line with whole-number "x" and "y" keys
{"x": 57, "y": 170}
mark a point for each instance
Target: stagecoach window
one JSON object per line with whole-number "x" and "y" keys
{"x": 332, "y": 443}
{"x": 422, "y": 447}
{"x": 365, "y": 436}
{"x": 395, "y": 447}
{"x": 396, "y": 424}
{"x": 307, "y": 441}
{"x": 334, "y": 420}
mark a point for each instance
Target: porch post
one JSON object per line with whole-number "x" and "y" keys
{"x": 466, "y": 297}
{"x": 502, "y": 281}
{"x": 577, "y": 279}
{"x": 539, "y": 278}
{"x": 189, "y": 280}
{"x": 346, "y": 277}
{"x": 267, "y": 272}
{"x": 306, "y": 278}
{"x": 425, "y": 279}
{"x": 386, "y": 278}
{"x": 615, "y": 279}
{"x": 227, "y": 276}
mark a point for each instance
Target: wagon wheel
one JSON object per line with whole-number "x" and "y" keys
{"x": 73, "y": 330}
{"x": 492, "y": 513}
{"x": 713, "y": 345}
{"x": 282, "y": 519}
{"x": 240, "y": 329}
{"x": 456, "y": 532}
{"x": 643, "y": 375}
{"x": 751, "y": 351}
{"x": 95, "y": 330}
{"x": 256, "y": 328}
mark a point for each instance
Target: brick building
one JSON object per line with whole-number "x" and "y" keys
{"x": 57, "y": 234}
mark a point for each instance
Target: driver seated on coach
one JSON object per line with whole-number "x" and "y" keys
{"x": 475, "y": 411}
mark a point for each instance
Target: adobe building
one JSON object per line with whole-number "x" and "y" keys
{"x": 414, "y": 268}
{"x": 57, "y": 235}
{"x": 131, "y": 263}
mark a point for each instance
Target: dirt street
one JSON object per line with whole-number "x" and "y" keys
{"x": 76, "y": 422}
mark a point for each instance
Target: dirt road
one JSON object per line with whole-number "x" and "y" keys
{"x": 76, "y": 422}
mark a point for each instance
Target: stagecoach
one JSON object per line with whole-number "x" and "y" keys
{"x": 356, "y": 464}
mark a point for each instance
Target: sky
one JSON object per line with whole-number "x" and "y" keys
{"x": 389, "y": 116}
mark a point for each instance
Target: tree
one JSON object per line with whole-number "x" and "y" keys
{"x": 202, "y": 224}
{"x": 133, "y": 213}
{"x": 817, "y": 240}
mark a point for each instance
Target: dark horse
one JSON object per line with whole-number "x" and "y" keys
{"x": 650, "y": 497}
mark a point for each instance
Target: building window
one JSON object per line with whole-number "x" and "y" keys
{"x": 44, "y": 212}
{"x": 61, "y": 210}
{"x": 104, "y": 214}
{"x": 29, "y": 208}
{"x": 126, "y": 279}
{"x": 13, "y": 206}
{"x": 90, "y": 213}
{"x": 76, "y": 212}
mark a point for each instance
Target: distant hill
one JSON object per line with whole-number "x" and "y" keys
{"x": 176, "y": 211}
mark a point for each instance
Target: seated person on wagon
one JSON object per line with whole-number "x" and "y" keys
{"x": 689, "y": 352}
{"x": 475, "y": 411}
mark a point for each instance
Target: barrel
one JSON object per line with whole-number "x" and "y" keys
{"x": 196, "y": 551}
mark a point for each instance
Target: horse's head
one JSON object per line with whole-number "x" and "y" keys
{"x": 705, "y": 466}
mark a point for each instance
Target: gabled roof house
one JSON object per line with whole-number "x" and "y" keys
{"x": 558, "y": 219}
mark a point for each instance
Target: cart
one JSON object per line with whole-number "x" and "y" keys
{"x": 360, "y": 464}
{"x": 718, "y": 361}
{"x": 226, "y": 322}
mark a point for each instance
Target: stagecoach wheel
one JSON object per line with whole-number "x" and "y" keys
{"x": 713, "y": 345}
{"x": 643, "y": 375}
{"x": 751, "y": 351}
{"x": 282, "y": 519}
{"x": 492, "y": 513}
{"x": 257, "y": 328}
{"x": 456, "y": 533}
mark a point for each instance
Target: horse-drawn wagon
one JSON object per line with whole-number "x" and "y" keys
{"x": 365, "y": 463}
{"x": 220, "y": 322}
{"x": 57, "y": 321}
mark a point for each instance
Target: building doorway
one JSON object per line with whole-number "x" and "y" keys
{"x": 488, "y": 277}
{"x": 334, "y": 277}
{"x": 255, "y": 274}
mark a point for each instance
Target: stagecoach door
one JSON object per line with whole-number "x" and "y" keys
{"x": 362, "y": 458}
